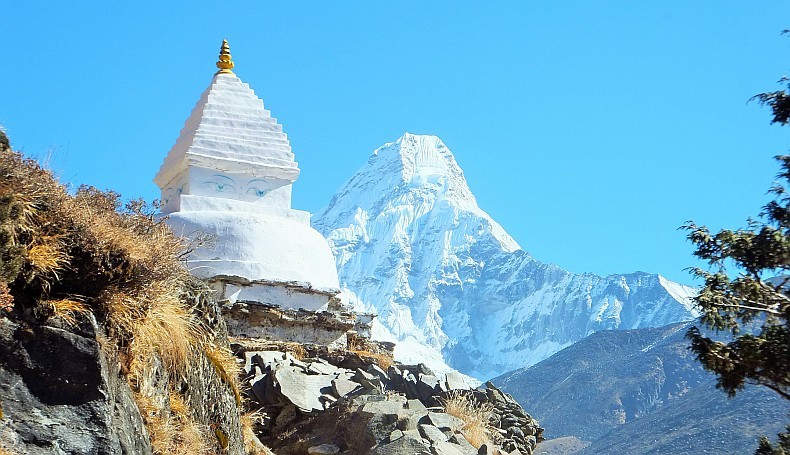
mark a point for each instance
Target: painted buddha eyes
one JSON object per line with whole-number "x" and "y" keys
{"x": 226, "y": 185}
{"x": 256, "y": 192}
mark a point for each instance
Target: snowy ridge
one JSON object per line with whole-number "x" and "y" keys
{"x": 411, "y": 243}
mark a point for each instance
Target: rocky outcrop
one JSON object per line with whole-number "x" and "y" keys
{"x": 61, "y": 393}
{"x": 365, "y": 409}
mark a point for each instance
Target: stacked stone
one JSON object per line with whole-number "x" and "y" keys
{"x": 520, "y": 433}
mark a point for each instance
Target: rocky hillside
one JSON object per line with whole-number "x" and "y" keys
{"x": 451, "y": 286}
{"x": 640, "y": 392}
{"x": 107, "y": 345}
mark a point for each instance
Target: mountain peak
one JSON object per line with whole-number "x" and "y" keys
{"x": 422, "y": 163}
{"x": 415, "y": 173}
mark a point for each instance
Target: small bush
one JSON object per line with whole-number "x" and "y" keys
{"x": 476, "y": 417}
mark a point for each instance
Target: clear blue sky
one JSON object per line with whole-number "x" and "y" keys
{"x": 589, "y": 130}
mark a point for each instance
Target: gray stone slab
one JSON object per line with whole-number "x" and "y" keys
{"x": 444, "y": 421}
{"x": 322, "y": 368}
{"x": 416, "y": 406}
{"x": 266, "y": 359}
{"x": 464, "y": 446}
{"x": 455, "y": 381}
{"x": 301, "y": 389}
{"x": 432, "y": 433}
{"x": 394, "y": 408}
{"x": 367, "y": 380}
{"x": 427, "y": 386}
{"x": 406, "y": 445}
{"x": 342, "y": 387}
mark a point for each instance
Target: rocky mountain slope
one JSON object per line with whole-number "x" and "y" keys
{"x": 452, "y": 287}
{"x": 641, "y": 392}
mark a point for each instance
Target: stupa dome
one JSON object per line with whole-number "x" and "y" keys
{"x": 229, "y": 177}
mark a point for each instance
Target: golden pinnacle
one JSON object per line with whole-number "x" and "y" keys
{"x": 225, "y": 63}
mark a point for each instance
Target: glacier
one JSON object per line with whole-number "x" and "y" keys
{"x": 452, "y": 288}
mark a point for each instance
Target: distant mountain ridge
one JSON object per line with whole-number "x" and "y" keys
{"x": 642, "y": 392}
{"x": 452, "y": 287}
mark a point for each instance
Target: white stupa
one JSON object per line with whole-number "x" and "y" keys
{"x": 230, "y": 175}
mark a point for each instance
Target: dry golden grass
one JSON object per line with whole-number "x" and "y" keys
{"x": 476, "y": 428}
{"x": 384, "y": 361}
{"x": 171, "y": 429}
{"x": 47, "y": 255}
{"x": 4, "y": 451}
{"x": 68, "y": 310}
{"x": 228, "y": 367}
{"x": 252, "y": 445}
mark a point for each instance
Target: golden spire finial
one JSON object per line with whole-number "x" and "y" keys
{"x": 225, "y": 63}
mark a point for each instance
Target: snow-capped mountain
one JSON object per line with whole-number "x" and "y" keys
{"x": 450, "y": 285}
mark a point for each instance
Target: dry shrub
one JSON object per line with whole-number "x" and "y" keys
{"x": 384, "y": 361}
{"x": 46, "y": 255}
{"x": 228, "y": 368}
{"x": 171, "y": 427}
{"x": 68, "y": 310}
{"x": 475, "y": 415}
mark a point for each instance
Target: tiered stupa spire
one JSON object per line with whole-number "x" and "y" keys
{"x": 225, "y": 62}
{"x": 230, "y": 175}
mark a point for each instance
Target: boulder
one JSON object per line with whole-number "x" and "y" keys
{"x": 432, "y": 433}
{"x": 60, "y": 394}
{"x": 455, "y": 381}
{"x": 343, "y": 387}
{"x": 303, "y": 390}
{"x": 442, "y": 421}
{"x": 406, "y": 445}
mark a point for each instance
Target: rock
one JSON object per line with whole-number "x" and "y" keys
{"x": 323, "y": 449}
{"x": 286, "y": 416}
{"x": 443, "y": 421}
{"x": 416, "y": 407}
{"x": 301, "y": 389}
{"x": 378, "y": 372}
{"x": 432, "y": 433}
{"x": 381, "y": 426}
{"x": 266, "y": 359}
{"x": 406, "y": 445}
{"x": 319, "y": 367}
{"x": 427, "y": 386}
{"x": 455, "y": 381}
{"x": 343, "y": 387}
{"x": 392, "y": 408}
{"x": 485, "y": 449}
{"x": 445, "y": 448}
{"x": 464, "y": 446}
{"x": 410, "y": 386}
{"x": 60, "y": 394}
{"x": 396, "y": 434}
{"x": 259, "y": 386}
{"x": 408, "y": 422}
{"x": 367, "y": 380}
